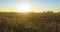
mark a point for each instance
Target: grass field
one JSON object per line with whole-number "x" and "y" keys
{"x": 29, "y": 22}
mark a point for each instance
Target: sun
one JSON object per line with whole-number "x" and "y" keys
{"x": 24, "y": 7}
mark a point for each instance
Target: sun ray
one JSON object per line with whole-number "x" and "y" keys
{"x": 24, "y": 7}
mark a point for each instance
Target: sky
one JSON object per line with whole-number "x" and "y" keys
{"x": 36, "y": 5}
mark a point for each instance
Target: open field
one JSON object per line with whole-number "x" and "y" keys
{"x": 29, "y": 22}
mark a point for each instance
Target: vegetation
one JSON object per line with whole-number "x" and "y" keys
{"x": 29, "y": 22}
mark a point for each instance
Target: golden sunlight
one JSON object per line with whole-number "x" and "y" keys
{"x": 24, "y": 7}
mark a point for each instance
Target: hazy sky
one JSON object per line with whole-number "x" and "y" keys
{"x": 39, "y": 5}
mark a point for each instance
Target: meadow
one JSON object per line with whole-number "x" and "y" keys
{"x": 29, "y": 22}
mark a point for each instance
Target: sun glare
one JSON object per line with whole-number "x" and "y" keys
{"x": 24, "y": 7}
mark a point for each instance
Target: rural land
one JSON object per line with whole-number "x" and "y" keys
{"x": 29, "y": 22}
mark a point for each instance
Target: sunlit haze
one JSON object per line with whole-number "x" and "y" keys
{"x": 29, "y": 5}
{"x": 24, "y": 7}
